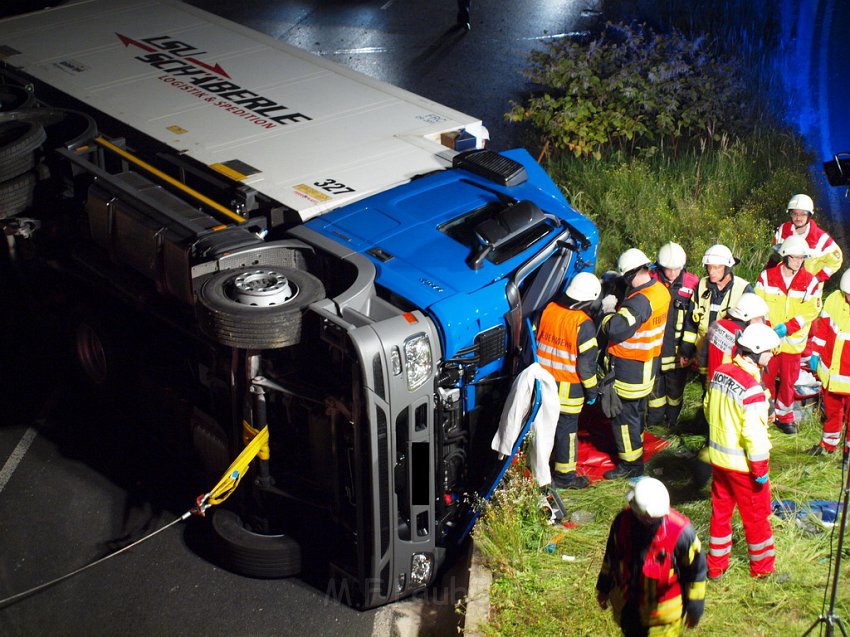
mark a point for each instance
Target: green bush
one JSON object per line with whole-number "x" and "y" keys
{"x": 634, "y": 90}
{"x": 735, "y": 194}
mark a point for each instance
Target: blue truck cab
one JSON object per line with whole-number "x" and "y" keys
{"x": 289, "y": 248}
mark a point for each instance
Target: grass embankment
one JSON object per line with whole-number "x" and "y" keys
{"x": 535, "y": 592}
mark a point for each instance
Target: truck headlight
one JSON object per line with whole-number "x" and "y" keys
{"x": 421, "y": 565}
{"x": 417, "y": 360}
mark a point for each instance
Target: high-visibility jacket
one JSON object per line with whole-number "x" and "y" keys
{"x": 681, "y": 305}
{"x": 826, "y": 256}
{"x": 736, "y": 407}
{"x": 831, "y": 341}
{"x": 635, "y": 335}
{"x": 710, "y": 303}
{"x": 567, "y": 348}
{"x": 795, "y": 305}
{"x": 665, "y": 576}
{"x": 720, "y": 342}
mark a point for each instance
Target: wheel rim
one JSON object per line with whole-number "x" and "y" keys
{"x": 262, "y": 288}
{"x": 92, "y": 354}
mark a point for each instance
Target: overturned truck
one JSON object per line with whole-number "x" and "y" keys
{"x": 319, "y": 253}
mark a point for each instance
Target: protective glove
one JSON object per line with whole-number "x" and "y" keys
{"x": 761, "y": 479}
{"x": 814, "y": 361}
{"x": 781, "y": 330}
{"x": 592, "y": 400}
{"x": 609, "y": 304}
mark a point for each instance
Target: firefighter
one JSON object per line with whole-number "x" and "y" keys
{"x": 793, "y": 297}
{"x": 736, "y": 406}
{"x": 720, "y": 340}
{"x": 825, "y": 255}
{"x": 566, "y": 347}
{"x": 653, "y": 572}
{"x": 830, "y": 360}
{"x": 634, "y": 333}
{"x": 717, "y": 291}
{"x": 665, "y": 402}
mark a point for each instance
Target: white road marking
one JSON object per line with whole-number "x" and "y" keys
{"x": 17, "y": 455}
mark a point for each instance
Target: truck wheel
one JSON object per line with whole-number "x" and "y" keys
{"x": 256, "y": 308}
{"x": 14, "y": 98}
{"x": 16, "y": 195}
{"x": 253, "y": 554}
{"x": 18, "y": 142}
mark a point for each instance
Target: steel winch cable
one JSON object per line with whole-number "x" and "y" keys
{"x": 14, "y": 598}
{"x": 257, "y": 445}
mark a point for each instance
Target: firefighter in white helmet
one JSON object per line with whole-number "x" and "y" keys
{"x": 830, "y": 360}
{"x": 825, "y": 256}
{"x": 736, "y": 406}
{"x": 665, "y": 402}
{"x": 653, "y": 572}
{"x": 793, "y": 297}
{"x": 717, "y": 291}
{"x": 634, "y": 333}
{"x": 567, "y": 348}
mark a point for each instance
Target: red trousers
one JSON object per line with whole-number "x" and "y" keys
{"x": 837, "y": 408}
{"x": 730, "y": 488}
{"x": 779, "y": 378}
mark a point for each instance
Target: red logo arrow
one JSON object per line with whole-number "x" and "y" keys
{"x": 215, "y": 69}
{"x": 128, "y": 41}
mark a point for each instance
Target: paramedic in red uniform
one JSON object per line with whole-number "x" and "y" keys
{"x": 825, "y": 256}
{"x": 635, "y": 333}
{"x": 566, "y": 348}
{"x": 665, "y": 402}
{"x": 736, "y": 406}
{"x": 653, "y": 572}
{"x": 793, "y": 297}
{"x": 830, "y": 360}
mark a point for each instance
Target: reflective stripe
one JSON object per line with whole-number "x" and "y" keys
{"x": 761, "y": 545}
{"x": 729, "y": 451}
{"x": 762, "y": 556}
{"x": 718, "y": 552}
{"x": 720, "y": 540}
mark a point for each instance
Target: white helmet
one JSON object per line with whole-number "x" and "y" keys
{"x": 584, "y": 287}
{"x": 718, "y": 254}
{"x": 758, "y": 338}
{"x": 845, "y": 282}
{"x": 794, "y": 246}
{"x": 671, "y": 255}
{"x": 748, "y": 307}
{"x": 632, "y": 259}
{"x": 649, "y": 497}
{"x": 801, "y": 202}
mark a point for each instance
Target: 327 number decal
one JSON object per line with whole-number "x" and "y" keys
{"x": 333, "y": 186}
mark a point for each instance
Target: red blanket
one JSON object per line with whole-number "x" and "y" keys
{"x": 596, "y": 449}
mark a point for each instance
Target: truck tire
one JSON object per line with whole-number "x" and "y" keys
{"x": 16, "y": 195}
{"x": 18, "y": 142}
{"x": 245, "y": 552}
{"x": 256, "y": 308}
{"x": 15, "y": 98}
